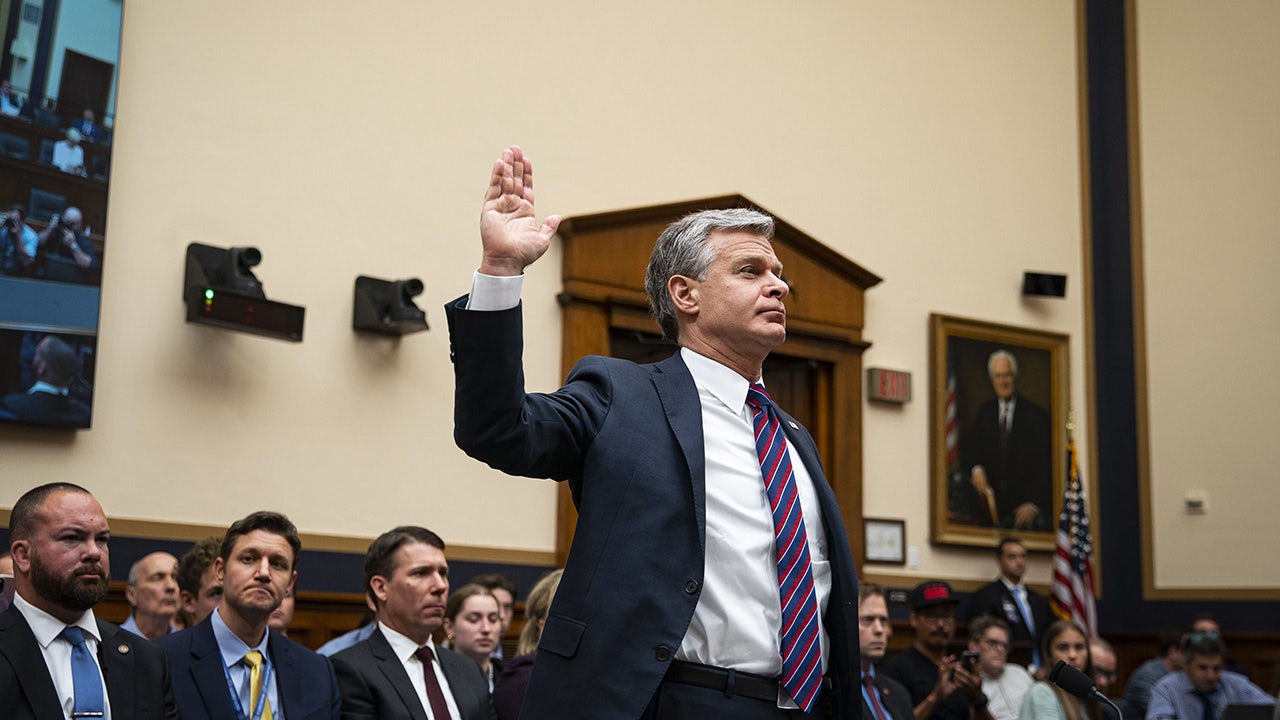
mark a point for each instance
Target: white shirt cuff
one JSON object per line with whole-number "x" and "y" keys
{"x": 491, "y": 292}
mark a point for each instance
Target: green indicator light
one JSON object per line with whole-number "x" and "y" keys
{"x": 208, "y": 293}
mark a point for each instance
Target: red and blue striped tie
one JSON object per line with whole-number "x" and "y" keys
{"x": 801, "y": 650}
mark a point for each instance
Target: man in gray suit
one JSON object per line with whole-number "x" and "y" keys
{"x": 398, "y": 672}
{"x": 56, "y": 658}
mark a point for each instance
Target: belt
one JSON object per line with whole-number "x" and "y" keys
{"x": 727, "y": 680}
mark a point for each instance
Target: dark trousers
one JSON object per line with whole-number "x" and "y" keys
{"x": 674, "y": 701}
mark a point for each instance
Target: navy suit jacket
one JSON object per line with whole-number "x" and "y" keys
{"x": 894, "y": 698}
{"x": 304, "y": 680}
{"x": 136, "y": 674}
{"x": 996, "y": 599}
{"x": 375, "y": 685}
{"x": 628, "y": 440}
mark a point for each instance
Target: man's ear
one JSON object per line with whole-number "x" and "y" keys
{"x": 20, "y": 551}
{"x": 684, "y": 293}
{"x": 131, "y": 595}
{"x": 219, "y": 570}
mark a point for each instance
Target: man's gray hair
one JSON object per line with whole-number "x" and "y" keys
{"x": 682, "y": 249}
{"x": 1002, "y": 355}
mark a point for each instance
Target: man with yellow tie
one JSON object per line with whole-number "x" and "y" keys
{"x": 231, "y": 665}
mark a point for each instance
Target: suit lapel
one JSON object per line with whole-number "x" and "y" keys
{"x": 18, "y": 644}
{"x": 393, "y": 670}
{"x": 208, "y": 672}
{"x": 679, "y": 397}
{"x": 288, "y": 680}
{"x": 115, "y": 653}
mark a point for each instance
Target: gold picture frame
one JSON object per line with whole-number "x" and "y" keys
{"x": 996, "y": 471}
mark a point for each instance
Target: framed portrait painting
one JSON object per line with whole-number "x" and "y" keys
{"x": 998, "y": 409}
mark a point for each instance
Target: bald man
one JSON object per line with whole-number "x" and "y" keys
{"x": 153, "y": 595}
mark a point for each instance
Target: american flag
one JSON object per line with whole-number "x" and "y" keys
{"x": 953, "y": 425}
{"x": 1072, "y": 597}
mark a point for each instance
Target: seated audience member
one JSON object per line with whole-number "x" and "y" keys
{"x": 472, "y": 621}
{"x": 1203, "y": 689}
{"x": 883, "y": 698}
{"x": 504, "y": 589}
{"x": 57, "y": 660}
{"x": 198, "y": 587}
{"x": 231, "y": 665}
{"x": 399, "y": 672}
{"x": 1103, "y": 658}
{"x": 1004, "y": 683}
{"x": 1205, "y": 622}
{"x": 68, "y": 156}
{"x": 1137, "y": 689}
{"x": 65, "y": 238}
{"x": 86, "y": 126}
{"x": 6, "y": 564}
{"x": 1062, "y": 640}
{"x": 18, "y": 243}
{"x": 282, "y": 617}
{"x": 508, "y": 696}
{"x": 368, "y": 624}
{"x": 10, "y": 103}
{"x": 153, "y": 595}
{"x": 939, "y": 685}
{"x": 48, "y": 400}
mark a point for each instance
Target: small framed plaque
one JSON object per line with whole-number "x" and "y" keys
{"x": 886, "y": 541}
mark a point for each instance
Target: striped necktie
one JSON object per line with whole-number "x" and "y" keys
{"x": 801, "y": 650}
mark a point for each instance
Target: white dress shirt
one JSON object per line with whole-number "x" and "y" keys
{"x": 404, "y": 649}
{"x": 738, "y": 620}
{"x": 57, "y": 651}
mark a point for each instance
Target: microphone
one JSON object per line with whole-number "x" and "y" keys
{"x": 1078, "y": 684}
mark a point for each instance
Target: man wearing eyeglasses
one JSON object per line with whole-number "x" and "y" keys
{"x": 1003, "y": 682}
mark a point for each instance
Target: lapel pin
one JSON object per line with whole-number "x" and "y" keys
{"x": 793, "y": 425}
{"x": 122, "y": 649}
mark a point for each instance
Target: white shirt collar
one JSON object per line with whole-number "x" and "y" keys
{"x": 47, "y": 628}
{"x": 726, "y": 385}
{"x": 401, "y": 644}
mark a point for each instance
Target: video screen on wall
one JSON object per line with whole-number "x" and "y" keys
{"x": 59, "y": 73}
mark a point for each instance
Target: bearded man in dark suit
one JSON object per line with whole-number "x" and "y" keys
{"x": 56, "y": 658}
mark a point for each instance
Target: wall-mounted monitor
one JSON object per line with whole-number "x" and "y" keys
{"x": 59, "y": 74}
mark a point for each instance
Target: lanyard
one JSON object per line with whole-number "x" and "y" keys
{"x": 262, "y": 694}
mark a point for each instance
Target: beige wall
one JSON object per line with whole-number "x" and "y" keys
{"x": 935, "y": 143}
{"x": 1209, "y": 100}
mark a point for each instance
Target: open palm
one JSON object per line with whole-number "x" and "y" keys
{"x": 512, "y": 237}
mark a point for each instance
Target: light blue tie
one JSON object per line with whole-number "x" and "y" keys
{"x": 85, "y": 676}
{"x": 1030, "y": 623}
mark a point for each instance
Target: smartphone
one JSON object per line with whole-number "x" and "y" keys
{"x": 969, "y": 658}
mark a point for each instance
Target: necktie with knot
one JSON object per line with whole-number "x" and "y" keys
{"x": 1207, "y": 713}
{"x": 435, "y": 695}
{"x": 253, "y": 659}
{"x": 801, "y": 650}
{"x": 85, "y": 677}
{"x": 873, "y": 697}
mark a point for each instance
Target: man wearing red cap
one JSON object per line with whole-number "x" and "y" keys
{"x": 941, "y": 687}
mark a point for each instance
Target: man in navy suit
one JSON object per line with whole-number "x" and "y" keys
{"x": 1026, "y": 611}
{"x": 56, "y": 658}
{"x": 233, "y": 648}
{"x": 385, "y": 676}
{"x": 669, "y": 606}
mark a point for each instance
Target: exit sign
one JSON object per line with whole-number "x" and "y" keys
{"x": 889, "y": 385}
